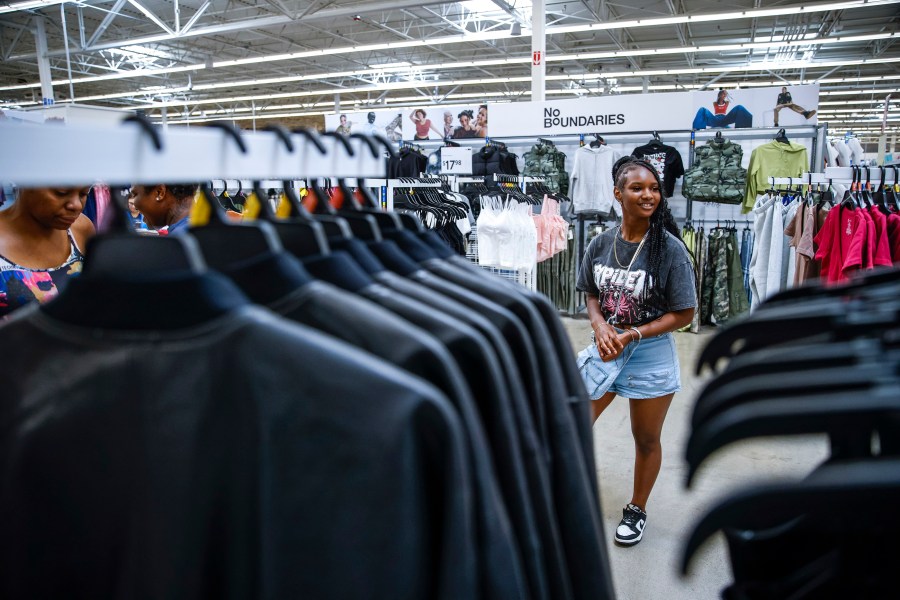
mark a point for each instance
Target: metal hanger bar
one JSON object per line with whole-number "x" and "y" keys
{"x": 38, "y": 155}
{"x": 796, "y": 132}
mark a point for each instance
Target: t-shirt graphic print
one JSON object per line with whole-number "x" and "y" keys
{"x": 634, "y": 297}
{"x": 658, "y": 160}
{"x": 623, "y": 293}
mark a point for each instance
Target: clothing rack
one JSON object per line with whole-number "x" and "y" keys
{"x": 817, "y": 133}
{"x": 387, "y": 187}
{"x": 41, "y": 156}
{"x": 520, "y": 180}
{"x": 842, "y": 175}
{"x": 412, "y": 146}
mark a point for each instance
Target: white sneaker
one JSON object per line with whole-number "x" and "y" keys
{"x": 631, "y": 527}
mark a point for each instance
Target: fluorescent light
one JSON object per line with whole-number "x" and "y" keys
{"x": 392, "y": 65}
{"x": 492, "y": 35}
{"x": 482, "y": 82}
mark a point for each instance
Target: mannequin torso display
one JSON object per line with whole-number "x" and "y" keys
{"x": 845, "y": 155}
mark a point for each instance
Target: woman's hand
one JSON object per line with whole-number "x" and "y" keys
{"x": 608, "y": 341}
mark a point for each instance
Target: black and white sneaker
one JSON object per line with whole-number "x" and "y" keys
{"x": 631, "y": 527}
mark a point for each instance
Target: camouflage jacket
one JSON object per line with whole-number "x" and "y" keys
{"x": 716, "y": 175}
{"x": 545, "y": 160}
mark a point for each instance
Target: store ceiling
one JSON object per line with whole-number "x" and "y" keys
{"x": 204, "y": 60}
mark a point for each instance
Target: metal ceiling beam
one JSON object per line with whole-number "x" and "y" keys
{"x": 281, "y": 8}
{"x": 193, "y": 20}
{"x": 15, "y": 41}
{"x": 107, "y": 20}
{"x": 255, "y": 23}
{"x": 149, "y": 14}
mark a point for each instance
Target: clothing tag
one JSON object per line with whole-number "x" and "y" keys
{"x": 571, "y": 234}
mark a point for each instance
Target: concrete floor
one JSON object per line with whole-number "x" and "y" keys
{"x": 650, "y": 570}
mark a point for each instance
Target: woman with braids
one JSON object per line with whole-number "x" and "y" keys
{"x": 165, "y": 206}
{"x": 639, "y": 283}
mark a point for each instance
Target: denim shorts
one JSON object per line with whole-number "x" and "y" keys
{"x": 647, "y": 369}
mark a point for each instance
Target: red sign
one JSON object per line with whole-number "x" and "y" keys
{"x": 536, "y": 58}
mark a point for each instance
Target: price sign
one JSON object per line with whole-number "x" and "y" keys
{"x": 456, "y": 161}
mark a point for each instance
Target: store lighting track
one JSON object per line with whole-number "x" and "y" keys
{"x": 487, "y": 36}
{"x": 500, "y": 80}
{"x": 574, "y": 92}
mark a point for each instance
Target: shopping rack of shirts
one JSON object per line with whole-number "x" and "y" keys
{"x": 504, "y": 239}
{"x": 809, "y": 360}
{"x": 284, "y": 407}
{"x": 826, "y": 225}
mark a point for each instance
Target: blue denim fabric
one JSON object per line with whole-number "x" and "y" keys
{"x": 647, "y": 369}
{"x": 746, "y": 252}
{"x": 738, "y": 116}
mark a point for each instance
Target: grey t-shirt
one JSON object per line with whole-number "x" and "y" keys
{"x": 641, "y": 299}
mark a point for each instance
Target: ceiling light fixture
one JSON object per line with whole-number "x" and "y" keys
{"x": 495, "y": 35}
{"x": 402, "y": 65}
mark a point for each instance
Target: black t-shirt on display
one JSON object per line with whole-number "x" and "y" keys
{"x": 666, "y": 160}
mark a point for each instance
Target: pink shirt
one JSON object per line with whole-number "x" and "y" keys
{"x": 882, "y": 245}
{"x": 857, "y": 256}
{"x": 833, "y": 242}
{"x": 893, "y": 232}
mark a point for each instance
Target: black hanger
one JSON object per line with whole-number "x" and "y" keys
{"x": 794, "y": 357}
{"x": 120, "y": 251}
{"x": 865, "y": 193}
{"x": 830, "y": 498}
{"x": 841, "y": 415}
{"x": 891, "y": 196}
{"x": 849, "y": 200}
{"x": 656, "y": 141}
{"x": 719, "y": 137}
{"x": 387, "y": 221}
{"x": 598, "y": 141}
{"x": 326, "y": 215}
{"x": 299, "y": 233}
{"x": 878, "y": 194}
{"x": 798, "y": 320}
{"x": 222, "y": 242}
{"x": 755, "y": 384}
{"x": 782, "y": 137}
{"x": 814, "y": 290}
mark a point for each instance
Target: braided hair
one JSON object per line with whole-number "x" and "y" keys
{"x": 661, "y": 221}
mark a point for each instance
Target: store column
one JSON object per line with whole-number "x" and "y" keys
{"x": 538, "y": 50}
{"x": 40, "y": 38}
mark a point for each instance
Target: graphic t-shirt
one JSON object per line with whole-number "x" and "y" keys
{"x": 632, "y": 297}
{"x": 667, "y": 162}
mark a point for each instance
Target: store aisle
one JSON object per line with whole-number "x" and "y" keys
{"x": 649, "y": 571}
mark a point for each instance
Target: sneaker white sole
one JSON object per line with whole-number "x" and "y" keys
{"x": 622, "y": 542}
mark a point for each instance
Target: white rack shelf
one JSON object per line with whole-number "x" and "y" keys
{"x": 47, "y": 155}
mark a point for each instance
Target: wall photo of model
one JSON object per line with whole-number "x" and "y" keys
{"x": 423, "y": 125}
{"x": 724, "y": 114}
{"x": 384, "y": 123}
{"x": 456, "y": 123}
{"x": 786, "y": 101}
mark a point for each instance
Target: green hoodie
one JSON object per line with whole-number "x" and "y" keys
{"x": 773, "y": 159}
